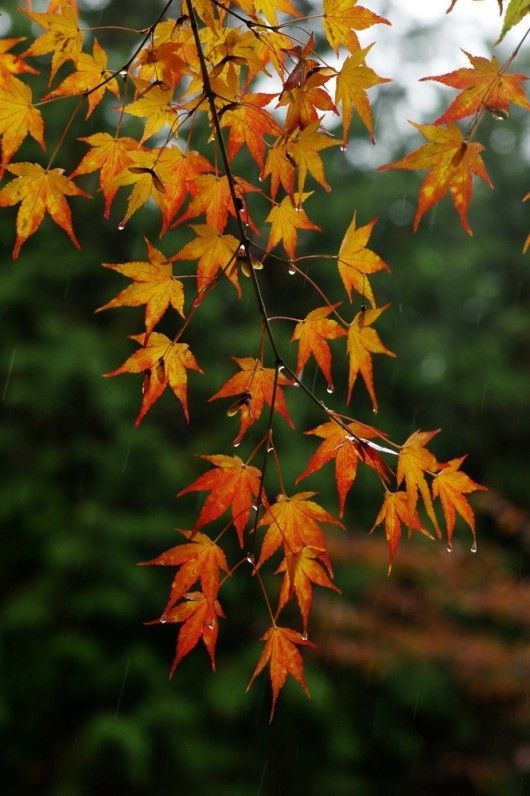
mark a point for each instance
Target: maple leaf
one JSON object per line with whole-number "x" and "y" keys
{"x": 155, "y": 106}
{"x": 312, "y": 334}
{"x": 450, "y": 485}
{"x": 363, "y": 341}
{"x": 143, "y": 172}
{"x": 516, "y": 11}
{"x": 303, "y": 100}
{"x": 11, "y": 63}
{"x": 18, "y": 117}
{"x": 213, "y": 197}
{"x": 215, "y": 252}
{"x": 301, "y": 570}
{"x": 397, "y": 509}
{"x": 353, "y": 80}
{"x": 166, "y": 362}
{"x": 342, "y": 18}
{"x": 154, "y": 285}
{"x": 485, "y": 85}
{"x": 285, "y": 218}
{"x": 294, "y": 522}
{"x": 304, "y": 150}
{"x": 280, "y": 165}
{"x": 269, "y": 8}
{"x": 347, "y": 450}
{"x": 452, "y": 162}
{"x": 110, "y": 156}
{"x": 198, "y": 560}
{"x": 415, "y": 460}
{"x": 200, "y": 620}
{"x": 179, "y": 171}
{"x": 63, "y": 39}
{"x": 253, "y": 386}
{"x": 89, "y": 78}
{"x": 249, "y": 123}
{"x": 356, "y": 261}
{"x": 39, "y": 191}
{"x": 282, "y": 655}
{"x": 231, "y": 483}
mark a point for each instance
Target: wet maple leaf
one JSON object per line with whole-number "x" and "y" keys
{"x": 12, "y": 63}
{"x": 414, "y": 461}
{"x": 280, "y": 166}
{"x": 154, "y": 285}
{"x": 155, "y": 106}
{"x": 91, "y": 72}
{"x": 342, "y": 18}
{"x": 63, "y": 38}
{"x": 294, "y": 522}
{"x": 353, "y": 80}
{"x": 198, "y": 560}
{"x": 485, "y": 85}
{"x": 285, "y": 219}
{"x": 18, "y": 117}
{"x": 166, "y": 363}
{"x": 304, "y": 147}
{"x": 282, "y": 655}
{"x": 110, "y": 156}
{"x": 395, "y": 511}
{"x": 356, "y": 261}
{"x": 451, "y": 485}
{"x": 312, "y": 334}
{"x": 39, "y": 191}
{"x": 215, "y": 252}
{"x": 452, "y": 162}
{"x": 305, "y": 100}
{"x": 212, "y": 197}
{"x": 145, "y": 173}
{"x": 253, "y": 387}
{"x": 347, "y": 451}
{"x": 363, "y": 341}
{"x": 249, "y": 123}
{"x": 178, "y": 170}
{"x": 269, "y": 8}
{"x": 302, "y": 569}
{"x": 200, "y": 620}
{"x": 231, "y": 483}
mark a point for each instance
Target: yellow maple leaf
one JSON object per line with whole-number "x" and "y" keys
{"x": 363, "y": 341}
{"x": 356, "y": 261}
{"x": 63, "y": 38}
{"x": 215, "y": 252}
{"x": 285, "y": 219}
{"x": 353, "y": 80}
{"x": 18, "y": 117}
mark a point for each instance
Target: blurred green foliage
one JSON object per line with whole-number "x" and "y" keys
{"x": 86, "y": 705}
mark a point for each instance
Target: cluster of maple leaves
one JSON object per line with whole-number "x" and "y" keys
{"x": 212, "y": 58}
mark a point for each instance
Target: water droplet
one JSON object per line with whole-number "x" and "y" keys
{"x": 449, "y": 547}
{"x": 374, "y": 410}
{"x": 304, "y": 636}
{"x": 250, "y": 558}
{"x": 163, "y": 620}
{"x": 280, "y": 368}
{"x": 123, "y": 73}
{"x": 329, "y": 389}
{"x": 474, "y": 547}
{"x": 298, "y": 208}
{"x": 260, "y": 178}
{"x": 343, "y": 147}
{"x": 292, "y": 270}
{"x": 210, "y": 624}
{"x": 121, "y": 226}
{"x": 499, "y": 114}
{"x": 254, "y": 507}
{"x": 242, "y": 251}
{"x": 270, "y": 449}
{"x": 237, "y": 444}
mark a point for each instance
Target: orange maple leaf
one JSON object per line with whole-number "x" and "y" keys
{"x": 200, "y": 559}
{"x": 215, "y": 252}
{"x": 249, "y": 123}
{"x": 166, "y": 362}
{"x": 294, "y": 522}
{"x": 304, "y": 147}
{"x": 301, "y": 570}
{"x": 452, "y": 162}
{"x": 39, "y": 191}
{"x": 63, "y": 38}
{"x": 280, "y": 165}
{"x": 414, "y": 461}
{"x": 11, "y": 63}
{"x": 253, "y": 387}
{"x": 397, "y": 509}
{"x": 485, "y": 85}
{"x": 231, "y": 483}
{"x": 342, "y": 18}
{"x": 312, "y": 334}
{"x": 356, "y": 261}
{"x": 363, "y": 341}
{"x": 353, "y": 80}
{"x": 212, "y": 197}
{"x": 282, "y": 655}
{"x": 200, "y": 620}
{"x": 306, "y": 98}
{"x": 285, "y": 218}
{"x": 347, "y": 451}
{"x": 154, "y": 285}
{"x": 110, "y": 156}
{"x": 89, "y": 78}
{"x": 18, "y": 117}
{"x": 450, "y": 485}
